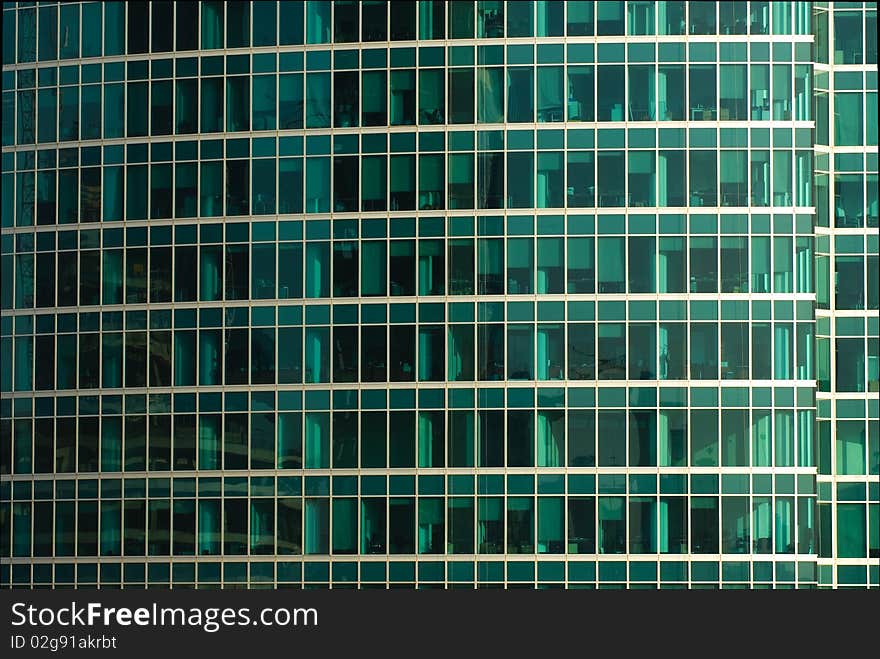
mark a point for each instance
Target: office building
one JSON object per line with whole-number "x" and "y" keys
{"x": 440, "y": 294}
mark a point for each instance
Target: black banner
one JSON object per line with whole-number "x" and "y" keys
{"x": 379, "y": 623}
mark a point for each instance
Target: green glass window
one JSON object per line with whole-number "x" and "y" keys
{"x": 581, "y": 351}
{"x": 318, "y": 100}
{"x": 290, "y": 22}
{"x": 672, "y": 529}
{"x": 461, "y": 96}
{"x": 47, "y": 108}
{"x": 610, "y": 94}
{"x": 290, "y": 358}
{"x": 461, "y": 353}
{"x": 401, "y": 525}
{"x": 290, "y": 185}
{"x": 612, "y": 438}
{"x": 704, "y": 525}
{"x": 520, "y": 95}
{"x": 317, "y": 440}
{"x": 290, "y": 101}
{"x": 581, "y": 525}
{"x": 848, "y": 31}
{"x": 432, "y": 435}
{"x": 704, "y": 438}
{"x": 237, "y": 103}
{"x": 490, "y": 521}
{"x": 581, "y": 179}
{"x": 432, "y": 103}
{"x": 490, "y": 19}
{"x": 68, "y": 114}
{"x": 431, "y": 182}
{"x": 461, "y": 180}
{"x": 317, "y": 354}
{"x": 403, "y": 97}
{"x": 520, "y": 358}
{"x": 848, "y": 119}
{"x": 461, "y": 19}
{"x": 345, "y": 99}
{"x": 264, "y": 23}
{"x": 432, "y": 19}
{"x": 402, "y": 179}
{"x": 374, "y": 278}
{"x": 374, "y": 105}
{"x": 550, "y": 99}
{"x": 702, "y": 19}
{"x": 373, "y": 525}
{"x": 672, "y": 438}
{"x": 551, "y": 439}
{"x": 90, "y": 126}
{"x": 735, "y": 526}
{"x": 402, "y": 350}
{"x": 640, "y": 18}
{"x": 551, "y": 270}
{"x": 431, "y": 353}
{"x": 431, "y": 267}
{"x": 579, "y": 18}
{"x": 25, "y": 131}
{"x": 212, "y": 105}
{"x": 760, "y": 91}
{"x": 581, "y": 93}
{"x": 69, "y": 32}
{"x": 264, "y": 100}
{"x": 735, "y": 438}
{"x": 318, "y": 24}
{"x": 851, "y": 530}
{"x": 460, "y": 515}
{"x": 114, "y": 104}
{"x": 431, "y": 525}
{"x": 461, "y": 438}
{"x": 521, "y": 19}
{"x": 734, "y": 178}
{"x": 641, "y": 92}
{"x": 612, "y": 525}
{"x": 609, "y": 18}
{"x": 703, "y": 178}
{"x": 733, "y": 92}
{"x": 316, "y": 523}
{"x": 317, "y": 185}
{"x": 611, "y": 179}
{"x": 345, "y": 520}
{"x": 704, "y": 351}
{"x": 642, "y": 351}
{"x": 263, "y": 272}
{"x": 520, "y": 525}
{"x": 490, "y": 95}
{"x": 137, "y": 109}
{"x": 47, "y": 35}
{"x": 670, "y": 92}
{"x": 642, "y": 178}
{"x": 643, "y": 525}
{"x": 851, "y": 444}
{"x": 403, "y": 22}
{"x": 289, "y": 440}
{"x": 581, "y": 265}
{"x": 550, "y": 180}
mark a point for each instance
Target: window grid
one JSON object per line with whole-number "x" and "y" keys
{"x": 335, "y": 205}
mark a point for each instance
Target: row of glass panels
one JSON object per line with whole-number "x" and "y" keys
{"x": 462, "y": 438}
{"x": 458, "y": 525}
{"x": 321, "y": 100}
{"x": 178, "y": 27}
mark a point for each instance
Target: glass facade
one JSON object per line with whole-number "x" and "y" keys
{"x": 439, "y": 294}
{"x": 847, "y": 292}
